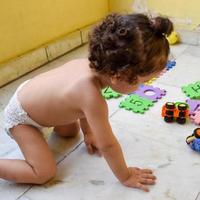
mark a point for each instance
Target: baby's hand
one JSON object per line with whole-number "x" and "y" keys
{"x": 139, "y": 178}
{"x": 91, "y": 144}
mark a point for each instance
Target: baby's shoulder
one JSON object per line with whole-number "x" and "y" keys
{"x": 90, "y": 92}
{"x": 89, "y": 86}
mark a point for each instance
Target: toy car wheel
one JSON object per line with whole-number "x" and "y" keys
{"x": 182, "y": 114}
{"x": 182, "y": 106}
{"x": 170, "y": 105}
{"x": 187, "y": 141}
{"x": 169, "y": 119}
{"x": 180, "y": 120}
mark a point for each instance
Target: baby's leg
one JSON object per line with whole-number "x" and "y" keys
{"x": 39, "y": 165}
{"x": 69, "y": 130}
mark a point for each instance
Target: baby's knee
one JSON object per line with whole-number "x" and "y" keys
{"x": 45, "y": 174}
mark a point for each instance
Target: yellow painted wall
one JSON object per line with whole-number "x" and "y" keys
{"x": 28, "y": 24}
{"x": 185, "y": 13}
{"x": 124, "y": 6}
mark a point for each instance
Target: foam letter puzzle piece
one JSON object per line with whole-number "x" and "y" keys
{"x": 108, "y": 93}
{"x": 192, "y": 90}
{"x": 150, "y": 81}
{"x": 170, "y": 64}
{"x": 150, "y": 92}
{"x": 196, "y": 117}
{"x": 136, "y": 104}
{"x": 193, "y": 105}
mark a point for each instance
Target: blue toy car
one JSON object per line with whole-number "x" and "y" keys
{"x": 194, "y": 140}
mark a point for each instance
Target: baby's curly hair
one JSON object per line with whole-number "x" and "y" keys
{"x": 128, "y": 46}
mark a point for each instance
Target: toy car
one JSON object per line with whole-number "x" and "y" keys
{"x": 194, "y": 140}
{"x": 175, "y": 111}
{"x": 195, "y": 135}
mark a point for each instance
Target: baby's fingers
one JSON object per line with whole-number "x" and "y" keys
{"x": 147, "y": 181}
{"x": 142, "y": 187}
{"x": 148, "y": 176}
{"x": 147, "y": 171}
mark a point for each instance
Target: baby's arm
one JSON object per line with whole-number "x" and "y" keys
{"x": 96, "y": 114}
{"x": 89, "y": 138}
{"x": 85, "y": 126}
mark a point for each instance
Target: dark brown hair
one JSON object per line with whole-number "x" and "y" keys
{"x": 129, "y": 45}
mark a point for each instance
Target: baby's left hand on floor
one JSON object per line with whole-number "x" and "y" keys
{"x": 140, "y": 178}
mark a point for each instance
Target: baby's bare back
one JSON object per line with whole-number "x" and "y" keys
{"x": 54, "y": 97}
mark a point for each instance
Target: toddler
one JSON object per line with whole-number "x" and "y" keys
{"x": 124, "y": 51}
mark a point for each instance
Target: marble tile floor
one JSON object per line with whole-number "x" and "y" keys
{"x": 146, "y": 140}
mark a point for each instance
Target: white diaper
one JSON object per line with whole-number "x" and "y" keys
{"x": 14, "y": 114}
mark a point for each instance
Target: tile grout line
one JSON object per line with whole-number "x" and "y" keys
{"x": 198, "y": 195}
{"x": 76, "y": 147}
{"x": 24, "y": 192}
{"x": 113, "y": 113}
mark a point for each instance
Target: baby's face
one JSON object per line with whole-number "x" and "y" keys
{"x": 126, "y": 88}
